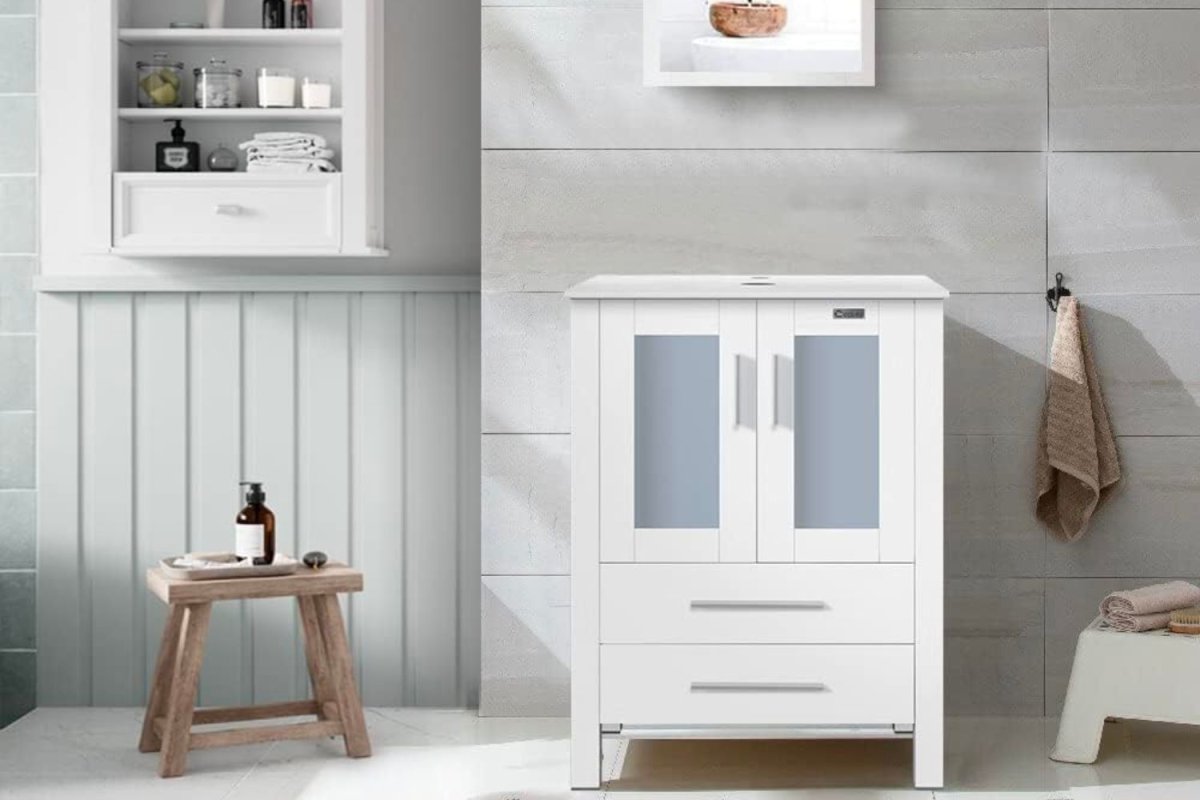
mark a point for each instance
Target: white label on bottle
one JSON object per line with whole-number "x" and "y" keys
{"x": 251, "y": 541}
{"x": 175, "y": 157}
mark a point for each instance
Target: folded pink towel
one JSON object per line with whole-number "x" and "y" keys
{"x": 1149, "y": 607}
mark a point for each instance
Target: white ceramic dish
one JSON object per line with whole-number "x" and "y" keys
{"x": 283, "y": 565}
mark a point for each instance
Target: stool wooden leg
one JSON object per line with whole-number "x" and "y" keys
{"x": 337, "y": 648}
{"x": 164, "y": 672}
{"x": 181, "y": 706}
{"x": 318, "y": 663}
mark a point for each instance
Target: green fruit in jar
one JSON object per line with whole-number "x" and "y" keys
{"x": 164, "y": 95}
{"x": 151, "y": 82}
{"x": 171, "y": 77}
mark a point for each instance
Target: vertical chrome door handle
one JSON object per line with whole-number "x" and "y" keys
{"x": 745, "y": 394}
{"x": 783, "y": 391}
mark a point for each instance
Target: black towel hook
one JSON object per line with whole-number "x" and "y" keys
{"x": 1053, "y": 295}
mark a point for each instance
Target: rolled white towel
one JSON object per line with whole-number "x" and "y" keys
{"x": 292, "y": 165}
{"x": 285, "y": 139}
{"x": 1148, "y": 608}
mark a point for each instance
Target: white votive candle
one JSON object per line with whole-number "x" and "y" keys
{"x": 276, "y": 88}
{"x": 316, "y": 93}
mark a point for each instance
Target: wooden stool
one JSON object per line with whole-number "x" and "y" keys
{"x": 171, "y": 712}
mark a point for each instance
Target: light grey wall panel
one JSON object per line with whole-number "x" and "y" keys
{"x": 527, "y": 493}
{"x": 1149, "y": 360}
{"x": 1124, "y": 80}
{"x": 526, "y": 363}
{"x": 1125, "y": 222}
{"x": 990, "y": 527}
{"x": 1149, "y": 527}
{"x": 973, "y": 221}
{"x": 162, "y": 402}
{"x": 571, "y": 77}
{"x": 995, "y": 363}
{"x": 994, "y": 641}
{"x": 526, "y": 646}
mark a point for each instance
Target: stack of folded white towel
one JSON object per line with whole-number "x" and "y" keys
{"x": 284, "y": 152}
{"x": 1148, "y": 608}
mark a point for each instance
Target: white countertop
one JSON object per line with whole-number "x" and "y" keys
{"x": 831, "y": 287}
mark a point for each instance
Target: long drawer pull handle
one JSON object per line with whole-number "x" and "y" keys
{"x": 760, "y": 605}
{"x": 721, "y": 686}
{"x": 229, "y": 210}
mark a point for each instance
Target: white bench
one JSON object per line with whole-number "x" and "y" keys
{"x": 1150, "y": 676}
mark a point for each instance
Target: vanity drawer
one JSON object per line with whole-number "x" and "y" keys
{"x": 756, "y": 603}
{"x": 669, "y": 685}
{"x": 214, "y": 213}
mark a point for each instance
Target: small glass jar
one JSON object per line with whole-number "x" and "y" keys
{"x": 218, "y": 85}
{"x": 316, "y": 92}
{"x": 222, "y": 160}
{"x": 276, "y": 87}
{"x": 160, "y": 82}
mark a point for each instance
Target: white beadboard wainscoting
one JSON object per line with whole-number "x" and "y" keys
{"x": 356, "y": 401}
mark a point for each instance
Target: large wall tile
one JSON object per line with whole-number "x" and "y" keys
{"x": 994, "y": 641}
{"x": 1125, "y": 222}
{"x": 17, "y": 7}
{"x": 1146, "y": 352}
{"x": 18, "y": 53}
{"x": 1124, "y": 80}
{"x": 16, "y": 450}
{"x": 975, "y": 222}
{"x": 527, "y": 494}
{"x": 17, "y": 368}
{"x": 17, "y": 623}
{"x": 18, "y": 529}
{"x": 18, "y": 146}
{"x": 990, "y": 526}
{"x": 947, "y": 80}
{"x": 526, "y": 363}
{"x": 18, "y": 685}
{"x": 526, "y": 646}
{"x": 1071, "y": 604}
{"x": 18, "y": 214}
{"x": 1148, "y": 526}
{"x": 17, "y": 307}
{"x": 995, "y": 363}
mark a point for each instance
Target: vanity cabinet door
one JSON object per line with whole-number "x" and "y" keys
{"x": 835, "y": 452}
{"x": 677, "y": 430}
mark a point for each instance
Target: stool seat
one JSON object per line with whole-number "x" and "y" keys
{"x": 1147, "y": 676}
{"x": 171, "y": 711}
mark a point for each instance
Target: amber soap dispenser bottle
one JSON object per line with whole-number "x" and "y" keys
{"x": 255, "y": 527}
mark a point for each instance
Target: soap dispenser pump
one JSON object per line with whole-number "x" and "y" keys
{"x": 255, "y": 527}
{"x": 177, "y": 155}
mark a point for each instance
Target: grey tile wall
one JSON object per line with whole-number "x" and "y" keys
{"x": 1007, "y": 140}
{"x": 18, "y": 244}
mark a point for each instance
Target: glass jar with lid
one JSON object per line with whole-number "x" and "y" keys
{"x": 218, "y": 85}
{"x": 160, "y": 82}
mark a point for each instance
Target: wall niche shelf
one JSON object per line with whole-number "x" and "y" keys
{"x": 228, "y": 114}
{"x": 142, "y": 213}
{"x": 231, "y": 36}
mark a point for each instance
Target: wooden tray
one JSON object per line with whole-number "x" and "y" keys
{"x": 283, "y": 565}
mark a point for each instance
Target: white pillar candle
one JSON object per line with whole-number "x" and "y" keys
{"x": 276, "y": 90}
{"x": 316, "y": 94}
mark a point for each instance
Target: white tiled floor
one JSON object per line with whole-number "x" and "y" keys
{"x": 454, "y": 755}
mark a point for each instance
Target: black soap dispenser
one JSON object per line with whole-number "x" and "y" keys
{"x": 177, "y": 155}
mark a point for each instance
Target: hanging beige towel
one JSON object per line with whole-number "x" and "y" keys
{"x": 1148, "y": 608}
{"x": 1077, "y": 465}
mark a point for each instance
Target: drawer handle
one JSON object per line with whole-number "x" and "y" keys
{"x": 229, "y": 210}
{"x": 760, "y": 605}
{"x": 722, "y": 686}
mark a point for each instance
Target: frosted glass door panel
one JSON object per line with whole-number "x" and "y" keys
{"x": 676, "y": 432}
{"x": 836, "y": 432}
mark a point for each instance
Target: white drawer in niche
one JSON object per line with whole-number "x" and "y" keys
{"x": 756, "y": 603}
{"x": 209, "y": 214}
{"x": 794, "y": 685}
